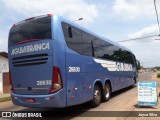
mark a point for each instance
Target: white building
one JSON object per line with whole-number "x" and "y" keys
{"x": 3, "y": 67}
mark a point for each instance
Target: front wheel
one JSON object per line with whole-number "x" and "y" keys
{"x": 106, "y": 93}
{"x": 134, "y": 82}
{"x": 96, "y": 101}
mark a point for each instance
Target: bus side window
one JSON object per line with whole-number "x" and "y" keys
{"x": 102, "y": 49}
{"x": 70, "y": 32}
{"x": 134, "y": 60}
{"x": 92, "y": 49}
{"x": 87, "y": 40}
{"x": 124, "y": 56}
{"x": 72, "y": 37}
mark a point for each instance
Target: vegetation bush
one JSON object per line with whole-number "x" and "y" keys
{"x": 158, "y": 75}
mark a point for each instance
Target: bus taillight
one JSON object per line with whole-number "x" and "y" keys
{"x": 56, "y": 80}
{"x": 10, "y": 80}
{"x": 49, "y": 15}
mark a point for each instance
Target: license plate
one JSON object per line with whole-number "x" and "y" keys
{"x": 31, "y": 100}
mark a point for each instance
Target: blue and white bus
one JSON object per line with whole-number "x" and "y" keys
{"x": 56, "y": 63}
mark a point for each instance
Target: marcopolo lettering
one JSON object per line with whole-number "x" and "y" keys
{"x": 114, "y": 66}
{"x": 30, "y": 48}
{"x": 124, "y": 67}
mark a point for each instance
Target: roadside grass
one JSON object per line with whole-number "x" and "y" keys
{"x": 5, "y": 99}
{"x": 158, "y": 74}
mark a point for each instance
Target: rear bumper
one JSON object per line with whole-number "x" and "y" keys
{"x": 56, "y": 100}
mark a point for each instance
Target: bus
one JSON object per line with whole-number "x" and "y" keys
{"x": 54, "y": 62}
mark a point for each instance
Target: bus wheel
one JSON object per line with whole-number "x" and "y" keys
{"x": 96, "y": 101}
{"x": 134, "y": 80}
{"x": 106, "y": 93}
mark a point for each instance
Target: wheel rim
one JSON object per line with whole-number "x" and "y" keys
{"x": 97, "y": 96}
{"x": 107, "y": 92}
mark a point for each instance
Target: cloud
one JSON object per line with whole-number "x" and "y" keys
{"x": 17, "y": 10}
{"x": 147, "y": 49}
{"x": 133, "y": 9}
{"x": 3, "y": 40}
{"x": 70, "y": 9}
{"x": 145, "y": 32}
{"x": 148, "y": 31}
{"x": 146, "y": 52}
{"x": 113, "y": 19}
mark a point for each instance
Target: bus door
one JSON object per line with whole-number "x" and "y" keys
{"x": 74, "y": 79}
{"x": 87, "y": 87}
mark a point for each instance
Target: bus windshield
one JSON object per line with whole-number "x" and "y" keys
{"x": 31, "y": 29}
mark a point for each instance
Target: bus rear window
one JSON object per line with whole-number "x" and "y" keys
{"x": 33, "y": 29}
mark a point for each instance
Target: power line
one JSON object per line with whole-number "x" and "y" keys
{"x": 137, "y": 38}
{"x": 146, "y": 36}
{"x": 157, "y": 15}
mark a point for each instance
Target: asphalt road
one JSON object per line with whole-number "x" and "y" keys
{"x": 123, "y": 100}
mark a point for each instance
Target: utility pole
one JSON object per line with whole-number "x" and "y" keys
{"x": 157, "y": 18}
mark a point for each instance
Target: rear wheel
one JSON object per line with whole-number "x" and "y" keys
{"x": 106, "y": 93}
{"x": 96, "y": 101}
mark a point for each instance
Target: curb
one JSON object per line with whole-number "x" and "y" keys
{"x": 3, "y": 99}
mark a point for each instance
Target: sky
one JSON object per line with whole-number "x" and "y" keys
{"x": 116, "y": 20}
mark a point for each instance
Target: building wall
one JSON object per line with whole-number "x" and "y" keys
{"x": 3, "y": 68}
{"x": 6, "y": 83}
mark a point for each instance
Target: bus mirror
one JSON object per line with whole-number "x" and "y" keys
{"x": 70, "y": 32}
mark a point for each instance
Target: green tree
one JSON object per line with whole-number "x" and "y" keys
{"x": 138, "y": 65}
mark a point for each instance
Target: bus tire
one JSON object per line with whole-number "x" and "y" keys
{"x": 134, "y": 80}
{"x": 96, "y": 101}
{"x": 106, "y": 93}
